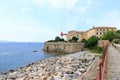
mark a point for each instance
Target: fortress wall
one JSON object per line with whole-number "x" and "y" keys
{"x": 62, "y": 47}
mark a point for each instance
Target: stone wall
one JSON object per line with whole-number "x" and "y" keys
{"x": 102, "y": 43}
{"x": 63, "y": 47}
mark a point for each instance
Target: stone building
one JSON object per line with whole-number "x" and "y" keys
{"x": 79, "y": 34}
{"x": 99, "y": 31}
{"x": 95, "y": 31}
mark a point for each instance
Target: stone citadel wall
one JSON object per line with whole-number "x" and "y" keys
{"x": 63, "y": 47}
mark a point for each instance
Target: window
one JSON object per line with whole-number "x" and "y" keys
{"x": 97, "y": 33}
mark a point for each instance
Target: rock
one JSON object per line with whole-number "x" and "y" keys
{"x": 43, "y": 78}
{"x": 46, "y": 74}
{"x": 58, "y": 68}
{"x": 60, "y": 74}
{"x": 82, "y": 70}
{"x": 3, "y": 77}
{"x": 66, "y": 77}
{"x": 68, "y": 71}
{"x": 42, "y": 65}
{"x": 57, "y": 78}
{"x": 77, "y": 74}
{"x": 34, "y": 51}
{"x": 20, "y": 78}
{"x": 13, "y": 75}
{"x": 50, "y": 78}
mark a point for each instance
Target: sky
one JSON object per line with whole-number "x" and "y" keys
{"x": 42, "y": 20}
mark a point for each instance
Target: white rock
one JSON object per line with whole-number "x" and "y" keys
{"x": 82, "y": 70}
{"x": 2, "y": 77}
{"x": 66, "y": 77}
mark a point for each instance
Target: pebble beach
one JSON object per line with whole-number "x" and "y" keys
{"x": 67, "y": 67}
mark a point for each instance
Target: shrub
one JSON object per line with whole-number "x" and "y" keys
{"x": 74, "y": 39}
{"x": 91, "y": 42}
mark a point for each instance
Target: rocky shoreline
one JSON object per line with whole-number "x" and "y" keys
{"x": 67, "y": 67}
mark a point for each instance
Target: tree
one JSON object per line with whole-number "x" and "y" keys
{"x": 110, "y": 35}
{"x": 75, "y": 39}
{"x": 59, "y": 39}
{"x": 91, "y": 42}
{"x": 117, "y": 37}
{"x": 118, "y": 31}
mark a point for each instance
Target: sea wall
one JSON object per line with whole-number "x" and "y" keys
{"x": 63, "y": 47}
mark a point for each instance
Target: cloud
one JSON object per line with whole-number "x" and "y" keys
{"x": 20, "y": 31}
{"x": 63, "y": 4}
{"x": 89, "y": 2}
{"x": 25, "y": 10}
{"x": 111, "y": 19}
{"x": 39, "y": 2}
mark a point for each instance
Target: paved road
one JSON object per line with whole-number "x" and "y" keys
{"x": 113, "y": 69}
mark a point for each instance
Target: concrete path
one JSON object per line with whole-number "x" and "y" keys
{"x": 113, "y": 64}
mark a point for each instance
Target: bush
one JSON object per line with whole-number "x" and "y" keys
{"x": 74, "y": 39}
{"x": 110, "y": 35}
{"x": 57, "y": 39}
{"x": 91, "y": 42}
{"x": 97, "y": 50}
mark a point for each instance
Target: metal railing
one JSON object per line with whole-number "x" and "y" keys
{"x": 102, "y": 65}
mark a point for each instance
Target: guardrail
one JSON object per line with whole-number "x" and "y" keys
{"x": 102, "y": 65}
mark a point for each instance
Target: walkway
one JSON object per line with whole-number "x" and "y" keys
{"x": 113, "y": 64}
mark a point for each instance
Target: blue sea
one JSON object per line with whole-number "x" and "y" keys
{"x": 14, "y": 55}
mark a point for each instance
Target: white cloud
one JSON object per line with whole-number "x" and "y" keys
{"x": 63, "y": 4}
{"x": 39, "y": 2}
{"x": 25, "y": 10}
{"x": 25, "y": 32}
{"x": 110, "y": 19}
{"x": 89, "y": 2}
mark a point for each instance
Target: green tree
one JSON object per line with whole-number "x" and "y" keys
{"x": 59, "y": 39}
{"x": 75, "y": 39}
{"x": 117, "y": 37}
{"x": 118, "y": 31}
{"x": 91, "y": 42}
{"x": 110, "y": 35}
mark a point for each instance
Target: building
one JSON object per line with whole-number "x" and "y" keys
{"x": 95, "y": 31}
{"x": 79, "y": 34}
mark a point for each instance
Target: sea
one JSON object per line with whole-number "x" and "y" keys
{"x": 14, "y": 55}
